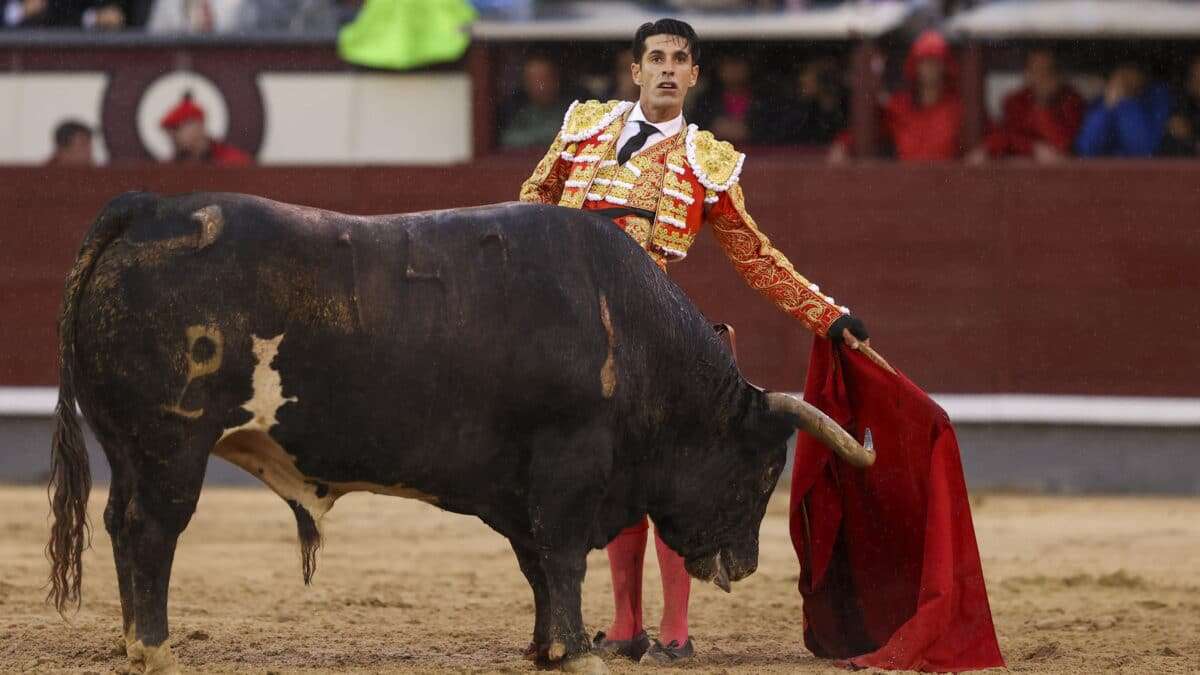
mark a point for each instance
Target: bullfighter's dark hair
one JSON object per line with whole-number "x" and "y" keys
{"x": 666, "y": 27}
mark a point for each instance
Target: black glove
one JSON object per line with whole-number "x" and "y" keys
{"x": 857, "y": 328}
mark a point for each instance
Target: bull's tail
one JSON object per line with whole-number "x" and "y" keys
{"x": 70, "y": 476}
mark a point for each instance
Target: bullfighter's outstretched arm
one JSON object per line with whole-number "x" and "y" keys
{"x": 545, "y": 186}
{"x": 767, "y": 270}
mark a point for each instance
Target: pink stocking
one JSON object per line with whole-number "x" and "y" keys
{"x": 677, "y": 586}
{"x": 625, "y": 557}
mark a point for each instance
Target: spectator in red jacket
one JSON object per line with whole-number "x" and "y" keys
{"x": 1040, "y": 119}
{"x": 924, "y": 120}
{"x": 185, "y": 125}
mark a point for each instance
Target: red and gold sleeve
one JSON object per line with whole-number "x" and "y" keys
{"x": 764, "y": 268}
{"x": 545, "y": 186}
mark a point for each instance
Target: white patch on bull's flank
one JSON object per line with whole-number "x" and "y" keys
{"x": 252, "y": 448}
{"x": 268, "y": 388}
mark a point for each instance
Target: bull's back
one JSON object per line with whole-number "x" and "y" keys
{"x": 364, "y": 346}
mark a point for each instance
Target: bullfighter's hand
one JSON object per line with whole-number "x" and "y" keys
{"x": 850, "y": 330}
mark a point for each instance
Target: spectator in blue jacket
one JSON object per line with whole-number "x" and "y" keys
{"x": 1129, "y": 120}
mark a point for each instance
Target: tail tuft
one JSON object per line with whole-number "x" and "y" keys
{"x": 310, "y": 539}
{"x": 70, "y": 484}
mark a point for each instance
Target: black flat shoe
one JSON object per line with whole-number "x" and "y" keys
{"x": 631, "y": 649}
{"x": 671, "y": 653}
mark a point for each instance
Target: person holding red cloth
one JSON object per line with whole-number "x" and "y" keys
{"x": 661, "y": 181}
{"x": 924, "y": 120}
{"x": 1040, "y": 119}
{"x": 185, "y": 125}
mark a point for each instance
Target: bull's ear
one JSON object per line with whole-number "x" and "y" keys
{"x": 766, "y": 428}
{"x": 817, "y": 423}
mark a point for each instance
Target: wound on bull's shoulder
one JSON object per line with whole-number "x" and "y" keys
{"x": 608, "y": 372}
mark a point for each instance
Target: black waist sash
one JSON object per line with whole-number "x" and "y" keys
{"x": 622, "y": 211}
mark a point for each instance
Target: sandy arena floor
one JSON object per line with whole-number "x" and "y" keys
{"x": 1077, "y": 585}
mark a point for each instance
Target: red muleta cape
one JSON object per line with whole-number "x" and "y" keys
{"x": 890, "y": 570}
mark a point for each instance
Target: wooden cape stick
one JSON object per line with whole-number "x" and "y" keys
{"x": 874, "y": 356}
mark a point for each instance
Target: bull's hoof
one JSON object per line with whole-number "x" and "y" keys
{"x": 588, "y": 664}
{"x": 137, "y": 657}
{"x": 153, "y": 660}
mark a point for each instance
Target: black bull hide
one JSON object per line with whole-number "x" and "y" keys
{"x": 525, "y": 364}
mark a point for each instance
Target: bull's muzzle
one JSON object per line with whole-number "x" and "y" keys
{"x": 711, "y": 568}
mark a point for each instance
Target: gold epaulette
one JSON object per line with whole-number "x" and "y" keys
{"x": 588, "y": 118}
{"x": 716, "y": 163}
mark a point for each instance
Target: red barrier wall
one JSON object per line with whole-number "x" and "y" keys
{"x": 1078, "y": 279}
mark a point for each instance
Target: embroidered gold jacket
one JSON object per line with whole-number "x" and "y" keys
{"x": 685, "y": 181}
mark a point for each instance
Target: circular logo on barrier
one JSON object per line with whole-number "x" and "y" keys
{"x": 141, "y": 92}
{"x": 164, "y": 95}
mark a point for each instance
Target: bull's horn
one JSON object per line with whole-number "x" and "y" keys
{"x": 826, "y": 430}
{"x": 721, "y": 579}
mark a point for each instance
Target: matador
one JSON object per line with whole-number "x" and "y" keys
{"x": 661, "y": 180}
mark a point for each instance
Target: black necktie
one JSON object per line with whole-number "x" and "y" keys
{"x": 634, "y": 144}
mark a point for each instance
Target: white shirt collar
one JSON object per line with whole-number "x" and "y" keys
{"x": 668, "y": 128}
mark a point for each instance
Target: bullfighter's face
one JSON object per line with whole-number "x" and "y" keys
{"x": 665, "y": 74}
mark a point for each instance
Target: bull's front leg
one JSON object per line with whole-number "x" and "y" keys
{"x": 568, "y": 644}
{"x": 531, "y": 567}
{"x": 567, "y": 469}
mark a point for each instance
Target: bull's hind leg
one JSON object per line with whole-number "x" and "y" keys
{"x": 166, "y": 489}
{"x": 120, "y": 493}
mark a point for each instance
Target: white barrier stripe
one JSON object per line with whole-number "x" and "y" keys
{"x": 1120, "y": 411}
{"x": 28, "y": 401}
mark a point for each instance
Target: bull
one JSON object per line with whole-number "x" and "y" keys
{"x": 525, "y": 364}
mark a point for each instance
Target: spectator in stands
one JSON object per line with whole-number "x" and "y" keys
{"x": 185, "y": 125}
{"x": 1040, "y": 119}
{"x": 87, "y": 14}
{"x": 290, "y": 16}
{"x": 1183, "y": 128}
{"x": 924, "y": 120}
{"x": 815, "y": 114}
{"x": 72, "y": 145}
{"x": 622, "y": 87}
{"x": 197, "y": 16}
{"x": 730, "y": 105}
{"x": 536, "y": 114}
{"x": 1129, "y": 119}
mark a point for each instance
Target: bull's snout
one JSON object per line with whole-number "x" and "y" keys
{"x": 724, "y": 567}
{"x": 740, "y": 565}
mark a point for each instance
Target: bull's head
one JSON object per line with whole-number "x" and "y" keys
{"x": 714, "y": 499}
